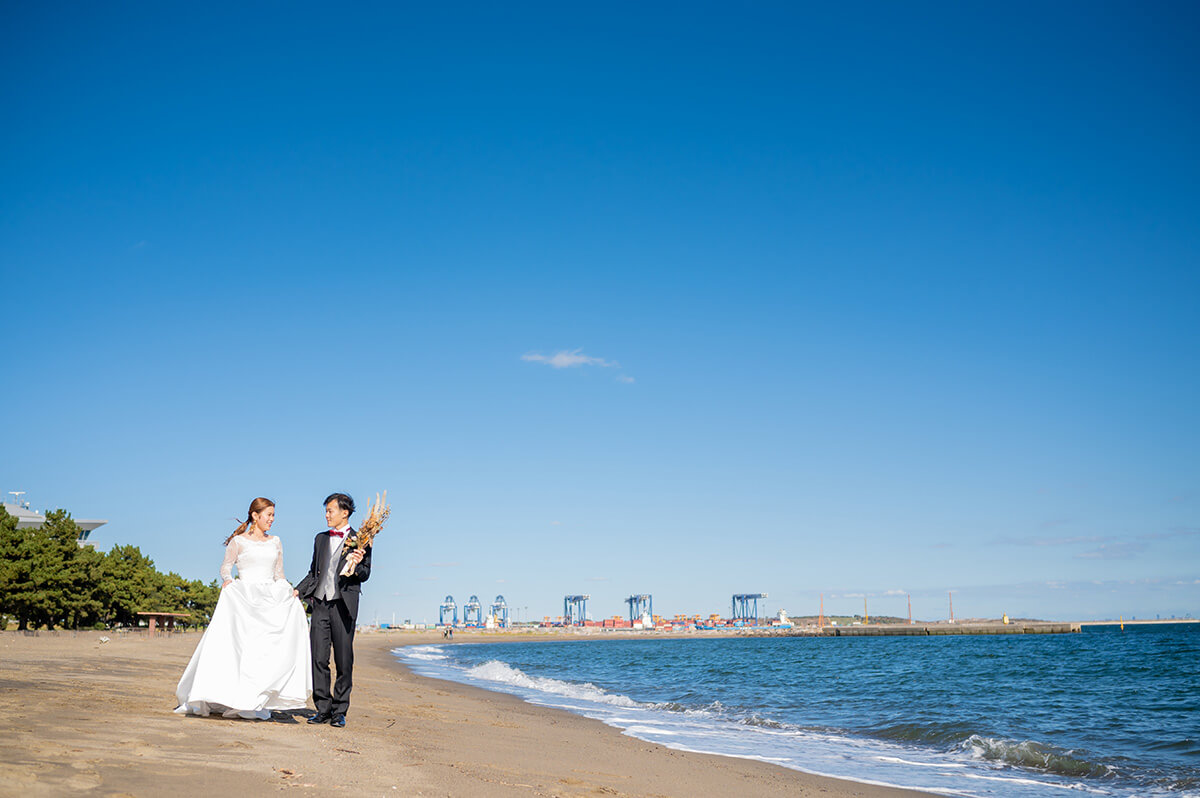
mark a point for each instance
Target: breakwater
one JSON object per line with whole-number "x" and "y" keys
{"x": 930, "y": 629}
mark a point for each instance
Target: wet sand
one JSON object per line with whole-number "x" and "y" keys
{"x": 85, "y": 717}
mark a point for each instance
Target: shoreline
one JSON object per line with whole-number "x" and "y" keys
{"x": 96, "y": 718}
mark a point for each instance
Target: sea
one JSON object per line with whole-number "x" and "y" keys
{"x": 1104, "y": 712}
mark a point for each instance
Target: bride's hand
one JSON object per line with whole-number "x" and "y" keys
{"x": 295, "y": 593}
{"x": 227, "y": 583}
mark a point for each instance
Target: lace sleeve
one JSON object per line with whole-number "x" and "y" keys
{"x": 279, "y": 559}
{"x": 231, "y": 555}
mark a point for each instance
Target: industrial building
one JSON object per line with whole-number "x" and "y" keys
{"x": 28, "y": 519}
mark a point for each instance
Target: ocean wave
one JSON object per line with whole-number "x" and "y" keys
{"x": 715, "y": 709}
{"x": 763, "y": 723}
{"x": 924, "y": 733}
{"x": 1036, "y": 756}
{"x": 503, "y": 673}
{"x": 1186, "y": 746}
{"x": 424, "y": 653}
{"x": 711, "y": 708}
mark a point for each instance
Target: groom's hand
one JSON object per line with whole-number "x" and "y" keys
{"x": 355, "y": 557}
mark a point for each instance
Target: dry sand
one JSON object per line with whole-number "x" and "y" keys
{"x": 82, "y": 717}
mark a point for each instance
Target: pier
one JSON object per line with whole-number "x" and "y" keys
{"x": 983, "y": 628}
{"x": 932, "y": 629}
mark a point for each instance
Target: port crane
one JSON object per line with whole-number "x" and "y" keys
{"x": 741, "y": 606}
{"x": 473, "y": 612}
{"x": 499, "y": 611}
{"x": 574, "y": 609}
{"x": 640, "y": 605}
{"x": 448, "y": 609}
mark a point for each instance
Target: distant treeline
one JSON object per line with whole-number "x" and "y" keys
{"x": 48, "y": 580}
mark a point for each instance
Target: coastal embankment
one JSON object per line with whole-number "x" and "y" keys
{"x": 925, "y": 630}
{"x": 91, "y": 714}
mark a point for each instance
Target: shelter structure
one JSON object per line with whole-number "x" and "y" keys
{"x": 162, "y": 621}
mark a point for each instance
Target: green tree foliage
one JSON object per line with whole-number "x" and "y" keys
{"x": 201, "y": 600}
{"x": 47, "y": 579}
{"x": 128, "y": 582}
{"x": 16, "y": 585}
{"x": 39, "y": 570}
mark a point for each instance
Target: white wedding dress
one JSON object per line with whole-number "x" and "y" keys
{"x": 254, "y": 657}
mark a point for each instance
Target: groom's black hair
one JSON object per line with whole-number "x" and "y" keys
{"x": 343, "y": 499}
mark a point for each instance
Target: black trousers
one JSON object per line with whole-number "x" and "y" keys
{"x": 332, "y": 626}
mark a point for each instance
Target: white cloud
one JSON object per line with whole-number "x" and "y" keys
{"x": 626, "y": 379}
{"x": 1113, "y": 551}
{"x": 573, "y": 359}
{"x": 1073, "y": 540}
{"x": 1175, "y": 532}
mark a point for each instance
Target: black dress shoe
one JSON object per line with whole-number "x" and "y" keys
{"x": 338, "y": 721}
{"x": 322, "y": 717}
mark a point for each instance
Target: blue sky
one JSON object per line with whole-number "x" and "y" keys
{"x": 688, "y": 300}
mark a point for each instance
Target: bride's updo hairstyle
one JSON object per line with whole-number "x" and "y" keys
{"x": 256, "y": 506}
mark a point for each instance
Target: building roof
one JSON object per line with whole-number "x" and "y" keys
{"x": 28, "y": 519}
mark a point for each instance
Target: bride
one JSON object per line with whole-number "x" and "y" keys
{"x": 254, "y": 657}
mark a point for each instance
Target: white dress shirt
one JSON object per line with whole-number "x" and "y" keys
{"x": 328, "y": 589}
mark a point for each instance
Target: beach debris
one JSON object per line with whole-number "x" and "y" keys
{"x": 377, "y": 516}
{"x": 347, "y": 751}
{"x": 103, "y": 640}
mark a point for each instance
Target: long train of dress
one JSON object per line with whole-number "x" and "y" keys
{"x": 254, "y": 657}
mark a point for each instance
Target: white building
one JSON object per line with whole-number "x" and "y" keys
{"x": 28, "y": 519}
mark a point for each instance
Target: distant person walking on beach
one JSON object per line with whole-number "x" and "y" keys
{"x": 334, "y": 601}
{"x": 254, "y": 656}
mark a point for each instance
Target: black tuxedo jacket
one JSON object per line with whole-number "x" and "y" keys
{"x": 347, "y": 587}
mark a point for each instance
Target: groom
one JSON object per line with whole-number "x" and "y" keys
{"x": 334, "y": 602}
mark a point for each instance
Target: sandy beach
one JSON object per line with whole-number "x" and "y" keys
{"x": 83, "y": 716}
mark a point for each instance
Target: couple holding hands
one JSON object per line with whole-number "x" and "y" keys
{"x": 259, "y": 652}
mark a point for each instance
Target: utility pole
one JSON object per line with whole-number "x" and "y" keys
{"x": 951, "y": 595}
{"x": 821, "y": 616}
{"x": 910, "y": 609}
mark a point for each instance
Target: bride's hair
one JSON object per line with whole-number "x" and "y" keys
{"x": 256, "y": 506}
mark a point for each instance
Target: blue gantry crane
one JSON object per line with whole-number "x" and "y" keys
{"x": 499, "y": 611}
{"x": 574, "y": 610}
{"x": 741, "y": 606}
{"x": 640, "y": 605}
{"x": 448, "y": 608}
{"x": 473, "y": 612}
